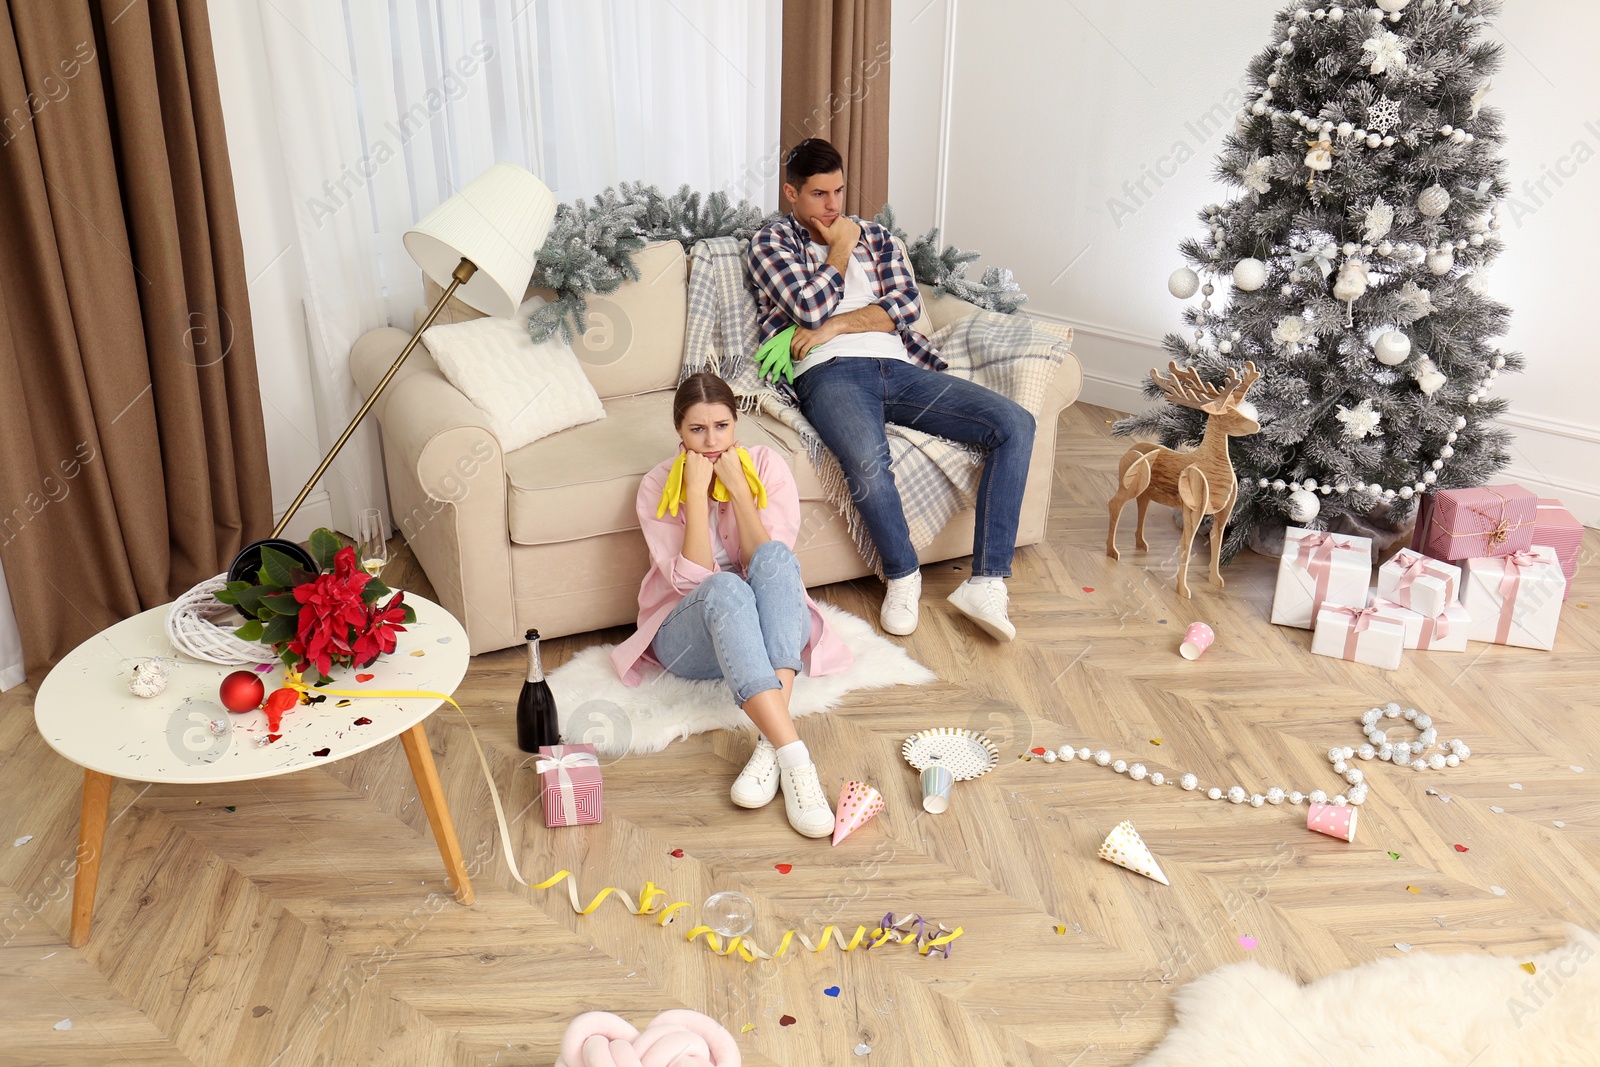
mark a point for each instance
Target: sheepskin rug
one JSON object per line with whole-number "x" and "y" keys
{"x": 1416, "y": 1010}
{"x": 618, "y": 720}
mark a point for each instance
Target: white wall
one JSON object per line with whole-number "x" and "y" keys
{"x": 1057, "y": 109}
{"x": 272, "y": 259}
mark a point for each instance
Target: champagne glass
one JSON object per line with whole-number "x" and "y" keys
{"x": 373, "y": 546}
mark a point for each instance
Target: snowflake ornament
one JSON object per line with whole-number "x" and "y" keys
{"x": 1379, "y": 218}
{"x": 1418, "y": 301}
{"x": 1386, "y": 52}
{"x": 1360, "y": 421}
{"x": 1254, "y": 175}
{"x": 1383, "y": 114}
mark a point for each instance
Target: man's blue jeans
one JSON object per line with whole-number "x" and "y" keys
{"x": 849, "y": 399}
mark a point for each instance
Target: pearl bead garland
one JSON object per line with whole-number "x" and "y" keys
{"x": 1378, "y": 745}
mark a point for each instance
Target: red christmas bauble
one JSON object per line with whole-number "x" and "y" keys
{"x": 241, "y": 691}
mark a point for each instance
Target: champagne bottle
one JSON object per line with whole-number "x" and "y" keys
{"x": 537, "y": 723}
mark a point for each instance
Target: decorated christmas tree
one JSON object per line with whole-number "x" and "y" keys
{"x": 1350, "y": 267}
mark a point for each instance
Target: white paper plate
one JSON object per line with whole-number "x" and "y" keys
{"x": 967, "y": 753}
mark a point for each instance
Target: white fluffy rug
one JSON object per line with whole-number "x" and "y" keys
{"x": 666, "y": 708}
{"x": 1418, "y": 1010}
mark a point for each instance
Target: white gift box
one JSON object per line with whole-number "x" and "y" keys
{"x": 1414, "y": 581}
{"x": 1320, "y": 568}
{"x": 1445, "y": 632}
{"x": 1515, "y": 599}
{"x": 1371, "y": 635}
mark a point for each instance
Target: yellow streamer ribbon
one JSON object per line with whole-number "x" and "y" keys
{"x": 647, "y": 906}
{"x": 672, "y": 492}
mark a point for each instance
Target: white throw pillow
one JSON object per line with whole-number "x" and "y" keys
{"x": 527, "y": 390}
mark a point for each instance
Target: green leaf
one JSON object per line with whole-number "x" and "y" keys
{"x": 281, "y": 628}
{"x": 325, "y": 545}
{"x": 276, "y": 569}
{"x": 281, "y": 604}
{"x": 249, "y": 599}
{"x": 410, "y": 613}
{"x": 250, "y": 631}
{"x": 228, "y": 596}
{"x": 372, "y": 591}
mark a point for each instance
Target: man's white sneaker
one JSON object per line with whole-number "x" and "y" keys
{"x": 985, "y": 604}
{"x": 757, "y": 784}
{"x": 804, "y": 801}
{"x": 899, "y": 613}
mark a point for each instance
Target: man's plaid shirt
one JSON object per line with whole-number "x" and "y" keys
{"x": 796, "y": 285}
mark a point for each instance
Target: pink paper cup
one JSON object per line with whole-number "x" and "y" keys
{"x": 1333, "y": 820}
{"x": 1196, "y": 639}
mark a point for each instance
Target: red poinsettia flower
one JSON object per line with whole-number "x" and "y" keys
{"x": 331, "y": 613}
{"x": 377, "y": 638}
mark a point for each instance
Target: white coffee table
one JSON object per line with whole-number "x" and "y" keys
{"x": 85, "y": 712}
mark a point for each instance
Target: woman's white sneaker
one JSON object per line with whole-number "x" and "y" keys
{"x": 804, "y": 801}
{"x": 898, "y": 615}
{"x": 985, "y": 603}
{"x": 757, "y": 784}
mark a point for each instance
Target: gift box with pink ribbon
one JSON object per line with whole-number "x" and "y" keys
{"x": 1445, "y": 632}
{"x": 1414, "y": 581}
{"x": 569, "y": 784}
{"x": 1316, "y": 569}
{"x": 1372, "y": 635}
{"x": 1515, "y": 599}
{"x": 1492, "y": 520}
{"x": 1555, "y": 526}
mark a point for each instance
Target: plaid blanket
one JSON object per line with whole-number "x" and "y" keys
{"x": 936, "y": 477}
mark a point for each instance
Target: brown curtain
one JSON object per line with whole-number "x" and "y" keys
{"x": 836, "y": 86}
{"x": 132, "y": 454}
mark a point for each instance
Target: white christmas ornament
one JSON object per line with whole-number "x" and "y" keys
{"x": 1434, "y": 201}
{"x": 1184, "y": 283}
{"x": 1249, "y": 275}
{"x": 1303, "y": 506}
{"x": 1441, "y": 261}
{"x": 1386, "y": 52}
{"x": 1291, "y": 332}
{"x": 1352, "y": 281}
{"x": 1393, "y": 348}
{"x": 1321, "y": 155}
{"x": 1254, "y": 175}
{"x": 1430, "y": 379}
{"x": 1419, "y": 301}
{"x": 1379, "y": 218}
{"x": 149, "y": 678}
{"x": 1360, "y": 421}
{"x": 1393, "y": 7}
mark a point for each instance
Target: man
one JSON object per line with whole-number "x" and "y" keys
{"x": 842, "y": 283}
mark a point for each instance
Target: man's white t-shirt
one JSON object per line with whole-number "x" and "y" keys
{"x": 858, "y": 293}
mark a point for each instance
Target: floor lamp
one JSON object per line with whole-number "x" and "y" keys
{"x": 479, "y": 245}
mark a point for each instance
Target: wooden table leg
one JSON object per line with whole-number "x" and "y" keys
{"x": 91, "y": 844}
{"x": 415, "y": 741}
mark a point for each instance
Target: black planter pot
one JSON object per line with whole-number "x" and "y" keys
{"x": 248, "y": 562}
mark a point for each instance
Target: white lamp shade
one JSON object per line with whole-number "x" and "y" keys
{"x": 499, "y": 221}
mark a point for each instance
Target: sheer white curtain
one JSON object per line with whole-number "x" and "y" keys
{"x": 11, "y": 672}
{"x": 386, "y": 107}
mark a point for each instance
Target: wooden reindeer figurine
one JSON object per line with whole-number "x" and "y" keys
{"x": 1201, "y": 482}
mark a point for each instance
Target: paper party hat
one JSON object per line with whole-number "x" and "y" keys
{"x": 1124, "y": 847}
{"x": 858, "y": 802}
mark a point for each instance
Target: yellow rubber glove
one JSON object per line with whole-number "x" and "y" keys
{"x": 672, "y": 492}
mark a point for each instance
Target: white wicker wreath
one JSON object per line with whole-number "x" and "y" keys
{"x": 200, "y": 625}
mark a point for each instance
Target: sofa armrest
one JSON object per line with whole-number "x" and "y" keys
{"x": 447, "y": 485}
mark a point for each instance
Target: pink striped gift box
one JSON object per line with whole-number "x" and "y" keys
{"x": 1554, "y": 525}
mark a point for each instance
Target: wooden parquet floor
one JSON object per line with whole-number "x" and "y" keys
{"x": 306, "y": 920}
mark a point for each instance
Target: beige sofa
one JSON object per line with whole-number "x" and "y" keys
{"x": 546, "y": 536}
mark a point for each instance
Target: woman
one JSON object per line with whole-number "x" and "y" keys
{"x": 724, "y": 599}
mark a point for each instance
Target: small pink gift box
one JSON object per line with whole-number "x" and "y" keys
{"x": 1316, "y": 569}
{"x": 1554, "y": 526}
{"x": 569, "y": 784}
{"x": 1515, "y": 599}
{"x": 1494, "y": 520}
{"x": 1445, "y": 632}
{"x": 1414, "y": 581}
{"x": 1364, "y": 635}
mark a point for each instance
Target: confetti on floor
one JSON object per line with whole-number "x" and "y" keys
{"x": 1517, "y": 786}
{"x": 1412, "y": 889}
{"x": 1402, "y": 946}
{"x": 1497, "y": 809}
{"x": 1461, "y": 848}
{"x": 64, "y": 1024}
{"x": 259, "y": 1010}
{"x": 419, "y": 652}
{"x": 1394, "y": 855}
{"x": 747, "y": 1027}
{"x": 1088, "y": 589}
{"x": 1559, "y": 824}
{"x": 1155, "y": 740}
{"x": 365, "y": 677}
{"x": 231, "y": 807}
{"x": 1497, "y": 891}
{"x": 1248, "y": 942}
{"x": 363, "y": 721}
{"x": 1163, "y": 622}
{"x": 1530, "y": 968}
{"x": 322, "y": 752}
{"x": 863, "y": 1049}
{"x": 1060, "y": 929}
{"x": 786, "y": 1020}
{"x": 783, "y": 868}
{"x": 832, "y": 991}
{"x": 676, "y": 853}
{"x": 342, "y": 704}
{"x": 23, "y": 840}
{"x": 1574, "y": 768}
{"x": 1037, "y": 751}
